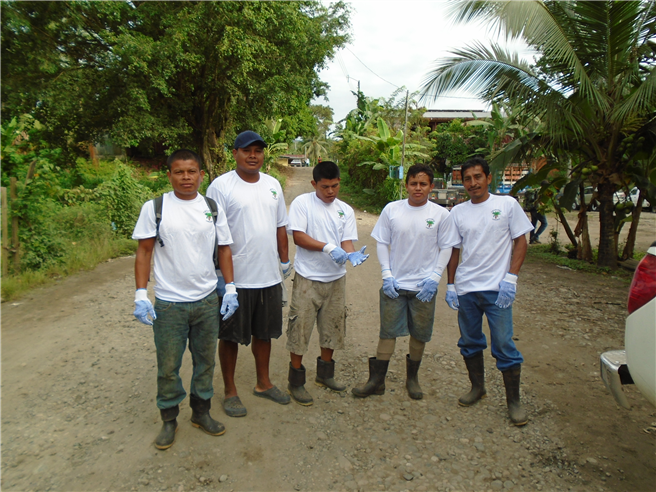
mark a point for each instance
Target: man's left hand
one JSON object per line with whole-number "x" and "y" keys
{"x": 428, "y": 287}
{"x": 507, "y": 291}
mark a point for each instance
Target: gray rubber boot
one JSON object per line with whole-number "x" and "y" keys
{"x": 376, "y": 383}
{"x": 412, "y": 382}
{"x": 511, "y": 380}
{"x": 476, "y": 368}
{"x": 166, "y": 436}
{"x": 200, "y": 416}
{"x": 296, "y": 386}
{"x": 326, "y": 375}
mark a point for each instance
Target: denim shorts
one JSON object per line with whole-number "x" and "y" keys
{"x": 406, "y": 315}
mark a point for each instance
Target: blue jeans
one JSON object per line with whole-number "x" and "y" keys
{"x": 177, "y": 322}
{"x": 406, "y": 315}
{"x": 472, "y": 339}
{"x": 535, "y": 218}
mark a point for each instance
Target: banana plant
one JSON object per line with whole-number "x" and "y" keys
{"x": 389, "y": 148}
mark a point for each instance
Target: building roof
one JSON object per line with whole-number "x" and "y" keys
{"x": 452, "y": 114}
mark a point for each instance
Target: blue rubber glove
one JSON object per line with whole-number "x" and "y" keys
{"x": 230, "y": 302}
{"x": 143, "y": 307}
{"x": 358, "y": 257}
{"x": 452, "y": 297}
{"x": 507, "y": 291}
{"x": 337, "y": 254}
{"x": 390, "y": 285}
{"x": 286, "y": 269}
{"x": 220, "y": 286}
{"x": 428, "y": 287}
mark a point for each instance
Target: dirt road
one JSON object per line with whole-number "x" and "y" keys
{"x": 78, "y": 411}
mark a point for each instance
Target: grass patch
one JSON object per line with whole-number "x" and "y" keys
{"x": 544, "y": 252}
{"x": 357, "y": 198}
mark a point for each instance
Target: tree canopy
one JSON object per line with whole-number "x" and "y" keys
{"x": 592, "y": 87}
{"x": 179, "y": 73}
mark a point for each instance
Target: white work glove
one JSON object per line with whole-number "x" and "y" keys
{"x": 428, "y": 287}
{"x": 286, "y": 269}
{"x": 337, "y": 254}
{"x": 507, "y": 291}
{"x": 452, "y": 297}
{"x": 230, "y": 303}
{"x": 143, "y": 307}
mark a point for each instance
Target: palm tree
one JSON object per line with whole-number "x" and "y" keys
{"x": 592, "y": 84}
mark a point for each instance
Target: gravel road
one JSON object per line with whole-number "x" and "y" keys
{"x": 78, "y": 389}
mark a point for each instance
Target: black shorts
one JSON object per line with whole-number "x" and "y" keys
{"x": 259, "y": 315}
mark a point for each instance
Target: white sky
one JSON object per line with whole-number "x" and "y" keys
{"x": 399, "y": 41}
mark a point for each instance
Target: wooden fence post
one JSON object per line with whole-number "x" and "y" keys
{"x": 14, "y": 228}
{"x": 5, "y": 233}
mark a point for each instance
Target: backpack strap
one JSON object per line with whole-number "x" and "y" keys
{"x": 158, "y": 203}
{"x": 214, "y": 208}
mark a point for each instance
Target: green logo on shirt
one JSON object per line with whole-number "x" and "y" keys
{"x": 274, "y": 194}
{"x": 430, "y": 223}
{"x": 208, "y": 216}
{"x": 340, "y": 214}
{"x": 496, "y": 214}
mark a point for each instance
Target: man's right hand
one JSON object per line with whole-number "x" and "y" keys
{"x": 452, "y": 297}
{"x": 337, "y": 254}
{"x": 391, "y": 287}
{"x": 143, "y": 307}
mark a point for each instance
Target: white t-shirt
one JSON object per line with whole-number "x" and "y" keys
{"x": 412, "y": 234}
{"x": 254, "y": 212}
{"x": 329, "y": 223}
{"x": 184, "y": 267}
{"x": 484, "y": 232}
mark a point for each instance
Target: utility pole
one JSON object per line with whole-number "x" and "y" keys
{"x": 405, "y": 128}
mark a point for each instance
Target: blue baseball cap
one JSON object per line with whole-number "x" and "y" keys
{"x": 244, "y": 139}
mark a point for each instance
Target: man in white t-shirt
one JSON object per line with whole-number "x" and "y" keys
{"x": 490, "y": 230}
{"x": 324, "y": 229}
{"x": 255, "y": 208}
{"x": 407, "y": 234}
{"x": 186, "y": 302}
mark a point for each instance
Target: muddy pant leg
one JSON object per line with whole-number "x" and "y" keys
{"x": 171, "y": 330}
{"x": 203, "y": 335}
{"x": 501, "y": 333}
{"x": 470, "y": 320}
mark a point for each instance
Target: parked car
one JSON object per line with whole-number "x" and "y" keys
{"x": 296, "y": 163}
{"x": 593, "y": 204}
{"x": 634, "y": 194}
{"x": 636, "y": 364}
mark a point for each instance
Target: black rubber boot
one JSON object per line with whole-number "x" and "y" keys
{"x": 511, "y": 380}
{"x": 476, "y": 368}
{"x": 296, "y": 386}
{"x": 376, "y": 383}
{"x": 412, "y": 382}
{"x": 200, "y": 416}
{"x": 166, "y": 436}
{"x": 326, "y": 375}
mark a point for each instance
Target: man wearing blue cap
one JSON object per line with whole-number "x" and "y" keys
{"x": 255, "y": 208}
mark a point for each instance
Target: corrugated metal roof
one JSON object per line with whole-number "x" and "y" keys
{"x": 456, "y": 113}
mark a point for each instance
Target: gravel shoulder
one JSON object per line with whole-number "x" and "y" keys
{"x": 78, "y": 390}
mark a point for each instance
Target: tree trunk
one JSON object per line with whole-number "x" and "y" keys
{"x": 633, "y": 230}
{"x": 607, "y": 252}
{"x": 584, "y": 252}
{"x": 563, "y": 221}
